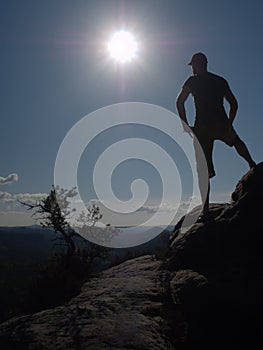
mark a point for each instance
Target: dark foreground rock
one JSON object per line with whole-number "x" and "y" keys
{"x": 216, "y": 270}
{"x": 207, "y": 293}
{"x": 122, "y": 309}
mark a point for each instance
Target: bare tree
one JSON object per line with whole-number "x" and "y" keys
{"x": 54, "y": 212}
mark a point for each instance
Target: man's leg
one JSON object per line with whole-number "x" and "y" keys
{"x": 242, "y": 150}
{"x": 204, "y": 154}
{"x": 205, "y": 193}
{"x": 205, "y": 200}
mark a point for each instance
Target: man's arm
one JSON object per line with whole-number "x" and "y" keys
{"x": 233, "y": 105}
{"x": 181, "y": 98}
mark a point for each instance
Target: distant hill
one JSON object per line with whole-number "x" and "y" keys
{"x": 23, "y": 241}
{"x": 19, "y": 242}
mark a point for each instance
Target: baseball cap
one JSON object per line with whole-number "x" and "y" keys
{"x": 198, "y": 57}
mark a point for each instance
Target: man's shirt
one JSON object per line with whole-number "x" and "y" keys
{"x": 208, "y": 90}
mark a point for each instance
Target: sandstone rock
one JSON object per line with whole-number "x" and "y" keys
{"x": 218, "y": 269}
{"x": 122, "y": 309}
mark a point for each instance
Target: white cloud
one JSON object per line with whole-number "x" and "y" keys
{"x": 152, "y": 207}
{"x": 6, "y": 197}
{"x": 144, "y": 213}
{"x": 8, "y": 179}
{"x": 13, "y": 213}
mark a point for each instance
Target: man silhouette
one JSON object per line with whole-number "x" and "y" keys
{"x": 211, "y": 120}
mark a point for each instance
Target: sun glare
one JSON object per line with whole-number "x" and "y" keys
{"x": 122, "y": 46}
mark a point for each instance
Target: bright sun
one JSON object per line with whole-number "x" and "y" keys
{"x": 122, "y": 46}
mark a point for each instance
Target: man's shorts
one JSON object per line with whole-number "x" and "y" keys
{"x": 207, "y": 134}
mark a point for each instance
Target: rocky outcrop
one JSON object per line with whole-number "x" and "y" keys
{"x": 216, "y": 270}
{"x": 206, "y": 293}
{"x": 122, "y": 309}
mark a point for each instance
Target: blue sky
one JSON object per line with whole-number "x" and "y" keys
{"x": 55, "y": 69}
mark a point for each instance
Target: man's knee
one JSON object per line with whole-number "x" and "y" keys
{"x": 237, "y": 142}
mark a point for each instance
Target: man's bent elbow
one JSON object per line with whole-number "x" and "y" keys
{"x": 234, "y": 105}
{"x": 179, "y": 103}
{"x": 234, "y": 102}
